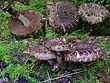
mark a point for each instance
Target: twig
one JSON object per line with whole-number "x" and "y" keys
{"x": 61, "y": 76}
{"x": 48, "y": 76}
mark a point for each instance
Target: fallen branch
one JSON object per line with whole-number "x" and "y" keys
{"x": 61, "y": 77}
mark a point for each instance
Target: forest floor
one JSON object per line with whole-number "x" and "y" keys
{"x": 17, "y": 64}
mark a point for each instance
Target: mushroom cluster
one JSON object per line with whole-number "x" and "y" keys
{"x": 58, "y": 49}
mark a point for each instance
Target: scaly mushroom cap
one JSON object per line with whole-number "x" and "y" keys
{"x": 17, "y": 28}
{"x": 64, "y": 17}
{"x": 41, "y": 53}
{"x": 56, "y": 44}
{"x": 73, "y": 40}
{"x": 84, "y": 52}
{"x": 93, "y": 13}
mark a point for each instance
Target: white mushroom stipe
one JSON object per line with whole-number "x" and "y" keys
{"x": 24, "y": 20}
{"x": 63, "y": 27}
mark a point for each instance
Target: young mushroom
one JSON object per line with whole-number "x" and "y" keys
{"x": 84, "y": 52}
{"x": 63, "y": 17}
{"x": 25, "y": 22}
{"x": 93, "y": 13}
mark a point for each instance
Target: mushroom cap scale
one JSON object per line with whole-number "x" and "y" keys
{"x": 93, "y": 13}
{"x": 17, "y": 28}
{"x": 41, "y": 53}
{"x": 84, "y": 52}
{"x": 64, "y": 18}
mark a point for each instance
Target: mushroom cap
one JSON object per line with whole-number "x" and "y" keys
{"x": 56, "y": 44}
{"x": 17, "y": 28}
{"x": 64, "y": 18}
{"x": 93, "y": 13}
{"x": 41, "y": 53}
{"x": 84, "y": 52}
{"x": 73, "y": 40}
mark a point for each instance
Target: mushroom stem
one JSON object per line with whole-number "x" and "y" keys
{"x": 51, "y": 62}
{"x": 45, "y": 27}
{"x": 24, "y": 20}
{"x": 93, "y": 31}
{"x": 58, "y": 53}
{"x": 37, "y": 63}
{"x": 59, "y": 58}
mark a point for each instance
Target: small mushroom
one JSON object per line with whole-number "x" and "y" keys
{"x": 25, "y": 22}
{"x": 63, "y": 17}
{"x": 84, "y": 52}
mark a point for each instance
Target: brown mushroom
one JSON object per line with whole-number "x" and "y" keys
{"x": 73, "y": 40}
{"x": 63, "y": 17}
{"x": 84, "y": 52}
{"x": 42, "y": 53}
{"x": 93, "y": 13}
{"x": 57, "y": 45}
{"x": 24, "y": 23}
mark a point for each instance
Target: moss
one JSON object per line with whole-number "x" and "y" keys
{"x": 8, "y": 46}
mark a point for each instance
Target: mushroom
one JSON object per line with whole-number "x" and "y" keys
{"x": 63, "y": 17}
{"x": 57, "y": 45}
{"x": 84, "y": 52}
{"x": 93, "y": 13}
{"x": 41, "y": 53}
{"x": 73, "y": 40}
{"x": 25, "y": 22}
